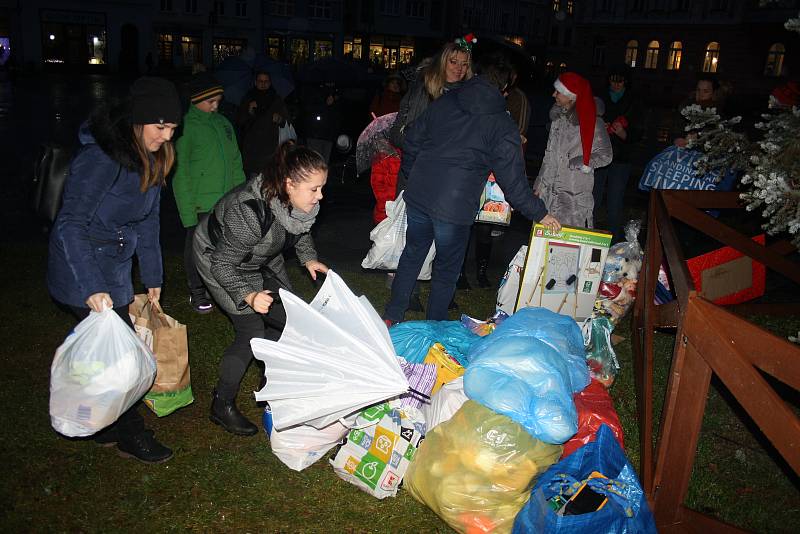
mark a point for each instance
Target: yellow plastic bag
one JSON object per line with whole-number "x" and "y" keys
{"x": 476, "y": 470}
{"x": 447, "y": 368}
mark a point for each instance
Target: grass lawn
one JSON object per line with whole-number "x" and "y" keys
{"x": 219, "y": 482}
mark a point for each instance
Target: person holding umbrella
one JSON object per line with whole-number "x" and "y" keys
{"x": 238, "y": 250}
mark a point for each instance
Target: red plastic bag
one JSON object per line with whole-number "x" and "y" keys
{"x": 384, "y": 184}
{"x": 594, "y": 407}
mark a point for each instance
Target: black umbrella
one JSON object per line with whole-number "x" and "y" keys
{"x": 518, "y": 55}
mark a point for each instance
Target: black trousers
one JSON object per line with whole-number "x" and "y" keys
{"x": 193, "y": 279}
{"x": 237, "y": 357}
{"x": 131, "y": 422}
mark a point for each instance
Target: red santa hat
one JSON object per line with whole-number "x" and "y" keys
{"x": 578, "y": 88}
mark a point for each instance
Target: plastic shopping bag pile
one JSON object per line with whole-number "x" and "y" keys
{"x": 469, "y": 423}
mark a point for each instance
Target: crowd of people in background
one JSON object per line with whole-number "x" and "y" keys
{"x": 244, "y": 197}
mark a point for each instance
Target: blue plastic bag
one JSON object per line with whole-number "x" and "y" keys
{"x": 626, "y": 511}
{"x": 528, "y": 370}
{"x": 413, "y": 339}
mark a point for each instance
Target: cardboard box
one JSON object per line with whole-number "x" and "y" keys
{"x": 563, "y": 270}
{"x": 726, "y": 276}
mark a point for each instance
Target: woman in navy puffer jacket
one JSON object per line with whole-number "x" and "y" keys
{"x": 110, "y": 213}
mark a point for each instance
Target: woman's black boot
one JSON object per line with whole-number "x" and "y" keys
{"x": 227, "y": 415}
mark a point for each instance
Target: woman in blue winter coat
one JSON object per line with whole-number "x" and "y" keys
{"x": 110, "y": 213}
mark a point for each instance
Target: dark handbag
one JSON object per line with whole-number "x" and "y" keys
{"x": 49, "y": 175}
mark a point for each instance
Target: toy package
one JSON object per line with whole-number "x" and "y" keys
{"x": 563, "y": 270}
{"x": 494, "y": 208}
{"x": 620, "y": 276}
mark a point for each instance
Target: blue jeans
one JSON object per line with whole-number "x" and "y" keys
{"x": 451, "y": 245}
{"x": 612, "y": 179}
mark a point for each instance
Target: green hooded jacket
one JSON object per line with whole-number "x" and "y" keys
{"x": 208, "y": 164}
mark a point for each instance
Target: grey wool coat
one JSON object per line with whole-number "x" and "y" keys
{"x": 238, "y": 248}
{"x": 565, "y": 189}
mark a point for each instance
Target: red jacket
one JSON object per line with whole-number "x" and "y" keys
{"x": 383, "y": 179}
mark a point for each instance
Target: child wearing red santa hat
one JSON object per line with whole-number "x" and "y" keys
{"x": 578, "y": 144}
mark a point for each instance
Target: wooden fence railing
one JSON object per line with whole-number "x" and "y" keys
{"x": 709, "y": 340}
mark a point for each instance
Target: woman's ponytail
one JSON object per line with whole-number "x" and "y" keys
{"x": 290, "y": 161}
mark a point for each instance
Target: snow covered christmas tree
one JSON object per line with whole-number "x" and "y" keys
{"x": 770, "y": 167}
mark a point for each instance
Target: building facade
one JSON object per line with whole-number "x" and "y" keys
{"x": 193, "y": 32}
{"x": 126, "y": 35}
{"x": 301, "y": 31}
{"x": 88, "y": 35}
{"x": 668, "y": 43}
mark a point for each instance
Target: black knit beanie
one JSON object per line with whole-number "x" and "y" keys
{"x": 155, "y": 101}
{"x": 203, "y": 86}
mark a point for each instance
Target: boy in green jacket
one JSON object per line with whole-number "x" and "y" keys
{"x": 208, "y": 166}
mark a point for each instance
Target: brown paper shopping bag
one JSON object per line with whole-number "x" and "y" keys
{"x": 172, "y": 388}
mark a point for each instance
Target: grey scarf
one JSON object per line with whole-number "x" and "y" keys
{"x": 297, "y": 222}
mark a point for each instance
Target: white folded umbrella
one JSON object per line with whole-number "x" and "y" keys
{"x": 334, "y": 358}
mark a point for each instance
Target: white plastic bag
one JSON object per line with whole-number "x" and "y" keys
{"x": 286, "y": 133}
{"x": 444, "y": 403}
{"x": 300, "y": 446}
{"x": 509, "y": 284}
{"x": 98, "y": 373}
{"x": 389, "y": 239}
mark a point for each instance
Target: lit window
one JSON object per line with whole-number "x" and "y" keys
{"x": 631, "y": 51}
{"x": 323, "y": 49}
{"x": 711, "y": 58}
{"x": 651, "y": 58}
{"x": 562, "y": 68}
{"x": 674, "y": 55}
{"x": 165, "y": 49}
{"x": 548, "y": 68}
{"x": 96, "y": 44}
{"x": 224, "y": 48}
{"x": 352, "y": 46}
{"x": 298, "y": 50}
{"x": 191, "y": 50}
{"x": 570, "y": 7}
{"x": 556, "y": 6}
{"x": 774, "y": 66}
{"x": 274, "y": 48}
